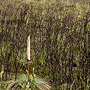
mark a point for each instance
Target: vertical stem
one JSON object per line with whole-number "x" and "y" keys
{"x": 28, "y": 70}
{"x": 28, "y": 52}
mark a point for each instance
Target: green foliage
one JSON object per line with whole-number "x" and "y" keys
{"x": 84, "y": 85}
{"x": 2, "y": 83}
{"x": 34, "y": 83}
{"x": 59, "y": 34}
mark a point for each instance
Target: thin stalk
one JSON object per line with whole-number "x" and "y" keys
{"x": 28, "y": 52}
{"x": 28, "y": 70}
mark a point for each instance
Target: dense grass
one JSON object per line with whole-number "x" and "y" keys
{"x": 60, "y": 36}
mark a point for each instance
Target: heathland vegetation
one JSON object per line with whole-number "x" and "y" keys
{"x": 60, "y": 44}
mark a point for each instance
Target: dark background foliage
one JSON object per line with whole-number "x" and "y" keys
{"x": 60, "y": 36}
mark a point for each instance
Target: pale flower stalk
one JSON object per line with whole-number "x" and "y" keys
{"x": 28, "y": 47}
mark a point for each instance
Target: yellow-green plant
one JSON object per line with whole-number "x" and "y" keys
{"x": 2, "y": 84}
{"x": 34, "y": 83}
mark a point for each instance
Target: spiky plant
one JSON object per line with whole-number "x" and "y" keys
{"x": 2, "y": 84}
{"x": 34, "y": 83}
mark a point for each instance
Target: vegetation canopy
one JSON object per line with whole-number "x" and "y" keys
{"x": 59, "y": 44}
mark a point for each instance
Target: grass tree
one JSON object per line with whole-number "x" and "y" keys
{"x": 28, "y": 81}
